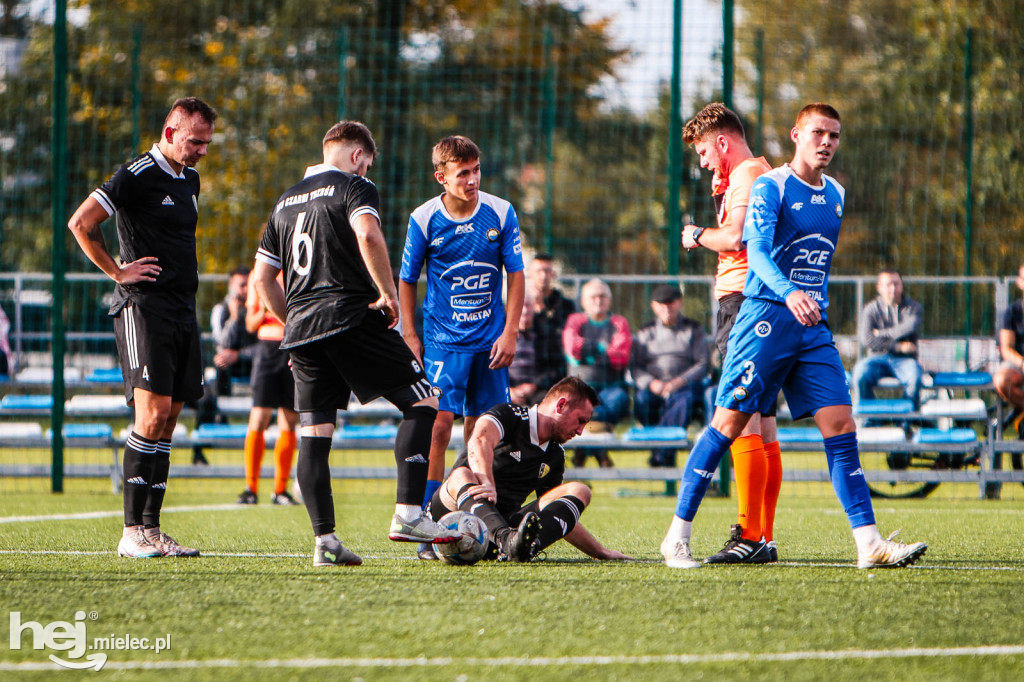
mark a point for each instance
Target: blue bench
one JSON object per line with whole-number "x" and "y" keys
{"x": 27, "y": 402}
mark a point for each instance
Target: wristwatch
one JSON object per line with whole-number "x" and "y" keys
{"x": 697, "y": 232}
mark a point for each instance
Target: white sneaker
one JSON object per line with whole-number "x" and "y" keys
{"x": 167, "y": 545}
{"x": 334, "y": 554}
{"x": 135, "y": 545}
{"x": 678, "y": 555}
{"x": 422, "y": 529}
{"x": 889, "y": 553}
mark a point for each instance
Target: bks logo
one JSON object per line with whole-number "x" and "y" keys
{"x": 818, "y": 199}
{"x": 464, "y": 229}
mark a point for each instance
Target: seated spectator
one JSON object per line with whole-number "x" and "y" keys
{"x": 524, "y": 376}
{"x": 6, "y": 357}
{"x": 1009, "y": 378}
{"x": 550, "y": 310}
{"x": 597, "y": 347}
{"x": 235, "y": 347}
{"x": 889, "y": 329}
{"x": 670, "y": 363}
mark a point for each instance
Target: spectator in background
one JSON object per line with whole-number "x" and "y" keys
{"x": 1009, "y": 378}
{"x": 273, "y": 388}
{"x": 889, "y": 329}
{"x": 670, "y": 363}
{"x": 6, "y": 357}
{"x": 550, "y": 310}
{"x": 523, "y": 374}
{"x": 235, "y": 344}
{"x": 597, "y": 348}
{"x": 235, "y": 347}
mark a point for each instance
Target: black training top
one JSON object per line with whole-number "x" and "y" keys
{"x": 156, "y": 211}
{"x": 309, "y": 236}
{"x": 522, "y": 465}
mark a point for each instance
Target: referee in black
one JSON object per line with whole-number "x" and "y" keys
{"x": 155, "y": 200}
{"x": 340, "y": 308}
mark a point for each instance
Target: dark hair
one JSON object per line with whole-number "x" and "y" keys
{"x": 714, "y": 118}
{"x": 890, "y": 271}
{"x": 575, "y": 389}
{"x": 546, "y": 257}
{"x": 192, "y": 105}
{"x": 820, "y": 108}
{"x": 352, "y": 132}
{"x": 240, "y": 270}
{"x": 455, "y": 149}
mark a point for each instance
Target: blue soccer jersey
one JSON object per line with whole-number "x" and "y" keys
{"x": 462, "y": 310}
{"x": 802, "y": 224}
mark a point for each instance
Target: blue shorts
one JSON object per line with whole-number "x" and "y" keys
{"x": 768, "y": 351}
{"x": 467, "y": 386}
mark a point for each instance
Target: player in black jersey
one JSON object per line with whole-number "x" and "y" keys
{"x": 515, "y": 451}
{"x": 340, "y": 308}
{"x": 155, "y": 200}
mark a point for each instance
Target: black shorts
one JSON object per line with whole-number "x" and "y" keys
{"x": 158, "y": 355}
{"x": 728, "y": 309}
{"x": 272, "y": 383}
{"x": 369, "y": 360}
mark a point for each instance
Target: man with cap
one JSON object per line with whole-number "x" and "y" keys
{"x": 669, "y": 365}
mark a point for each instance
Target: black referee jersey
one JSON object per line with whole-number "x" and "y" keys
{"x": 156, "y": 211}
{"x": 521, "y": 465}
{"x": 309, "y": 237}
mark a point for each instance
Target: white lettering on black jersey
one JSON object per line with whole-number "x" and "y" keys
{"x": 309, "y": 237}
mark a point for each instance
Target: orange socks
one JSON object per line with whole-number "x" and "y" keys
{"x": 284, "y": 451}
{"x": 772, "y": 485}
{"x": 254, "y": 447}
{"x": 749, "y": 461}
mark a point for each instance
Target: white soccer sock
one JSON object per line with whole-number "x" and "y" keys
{"x": 866, "y": 537}
{"x": 328, "y": 539}
{"x": 408, "y": 512}
{"x": 679, "y": 530}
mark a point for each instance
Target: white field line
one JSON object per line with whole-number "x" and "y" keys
{"x": 290, "y": 555}
{"x": 110, "y": 514}
{"x": 556, "y": 661}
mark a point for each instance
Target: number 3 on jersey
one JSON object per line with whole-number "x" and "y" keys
{"x": 748, "y": 373}
{"x": 301, "y": 239}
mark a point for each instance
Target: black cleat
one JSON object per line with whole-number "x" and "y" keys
{"x": 739, "y": 550}
{"x": 284, "y": 499}
{"x": 521, "y": 545}
{"x": 773, "y": 551}
{"x": 248, "y": 497}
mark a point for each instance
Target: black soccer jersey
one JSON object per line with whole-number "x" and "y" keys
{"x": 309, "y": 237}
{"x": 522, "y": 465}
{"x": 156, "y": 211}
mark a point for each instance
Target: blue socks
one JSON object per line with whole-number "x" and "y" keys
{"x": 848, "y": 479}
{"x": 432, "y": 487}
{"x": 699, "y": 470}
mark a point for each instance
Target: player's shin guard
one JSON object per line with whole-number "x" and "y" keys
{"x": 313, "y": 473}
{"x": 412, "y": 452}
{"x": 158, "y": 484}
{"x": 699, "y": 469}
{"x": 772, "y": 486}
{"x": 848, "y": 479}
{"x": 482, "y": 509}
{"x": 139, "y": 456}
{"x": 558, "y": 519}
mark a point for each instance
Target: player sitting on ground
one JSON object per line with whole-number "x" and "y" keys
{"x": 517, "y": 450}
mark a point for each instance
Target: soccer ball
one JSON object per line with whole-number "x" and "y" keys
{"x": 471, "y": 548}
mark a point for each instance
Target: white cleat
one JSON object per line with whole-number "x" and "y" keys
{"x": 677, "y": 555}
{"x": 167, "y": 545}
{"x": 889, "y": 553}
{"x": 135, "y": 545}
{"x": 422, "y": 529}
